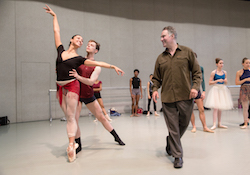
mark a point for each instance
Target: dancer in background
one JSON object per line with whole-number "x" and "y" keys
{"x": 88, "y": 76}
{"x": 219, "y": 97}
{"x": 243, "y": 79}
{"x": 67, "y": 86}
{"x": 135, "y": 92}
{"x": 248, "y": 118}
{"x": 97, "y": 87}
{"x": 199, "y": 102}
{"x": 150, "y": 92}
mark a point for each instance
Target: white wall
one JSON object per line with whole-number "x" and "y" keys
{"x": 129, "y": 33}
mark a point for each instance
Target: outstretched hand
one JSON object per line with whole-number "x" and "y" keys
{"x": 49, "y": 10}
{"x": 73, "y": 73}
{"x": 118, "y": 71}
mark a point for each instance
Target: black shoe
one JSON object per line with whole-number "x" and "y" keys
{"x": 242, "y": 124}
{"x": 78, "y": 149}
{"x": 206, "y": 108}
{"x": 178, "y": 162}
{"x": 168, "y": 148}
{"x": 120, "y": 142}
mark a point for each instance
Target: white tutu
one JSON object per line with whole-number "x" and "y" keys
{"x": 219, "y": 97}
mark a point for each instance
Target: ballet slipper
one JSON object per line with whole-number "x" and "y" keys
{"x": 156, "y": 114}
{"x": 108, "y": 118}
{"x": 193, "y": 130}
{"x": 96, "y": 120}
{"x": 213, "y": 127}
{"x": 71, "y": 152}
{"x": 208, "y": 130}
{"x": 244, "y": 127}
{"x": 148, "y": 114}
{"x": 222, "y": 126}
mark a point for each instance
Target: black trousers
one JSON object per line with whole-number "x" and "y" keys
{"x": 149, "y": 101}
{"x": 249, "y": 112}
{"x": 177, "y": 117}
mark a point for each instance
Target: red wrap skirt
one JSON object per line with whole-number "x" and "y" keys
{"x": 73, "y": 86}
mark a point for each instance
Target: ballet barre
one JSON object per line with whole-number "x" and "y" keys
{"x": 104, "y": 88}
{"x": 233, "y": 86}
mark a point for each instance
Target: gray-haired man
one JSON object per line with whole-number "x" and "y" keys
{"x": 172, "y": 72}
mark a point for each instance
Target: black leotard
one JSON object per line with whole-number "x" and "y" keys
{"x": 136, "y": 82}
{"x": 64, "y": 66}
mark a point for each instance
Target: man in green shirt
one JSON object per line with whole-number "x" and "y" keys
{"x": 172, "y": 73}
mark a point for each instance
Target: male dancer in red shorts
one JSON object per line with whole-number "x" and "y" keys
{"x": 87, "y": 76}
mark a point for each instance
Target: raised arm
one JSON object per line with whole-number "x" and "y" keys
{"x": 103, "y": 64}
{"x": 55, "y": 26}
{"x": 88, "y": 81}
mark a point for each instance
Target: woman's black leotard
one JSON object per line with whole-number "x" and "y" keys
{"x": 64, "y": 66}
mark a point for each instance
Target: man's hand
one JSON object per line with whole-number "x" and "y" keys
{"x": 73, "y": 73}
{"x": 155, "y": 96}
{"x": 193, "y": 93}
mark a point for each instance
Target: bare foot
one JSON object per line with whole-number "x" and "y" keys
{"x": 108, "y": 118}
{"x": 213, "y": 127}
{"x": 244, "y": 127}
{"x": 222, "y": 126}
{"x": 193, "y": 130}
{"x": 132, "y": 115}
{"x": 148, "y": 114}
{"x": 156, "y": 114}
{"x": 208, "y": 130}
{"x": 95, "y": 120}
{"x": 136, "y": 115}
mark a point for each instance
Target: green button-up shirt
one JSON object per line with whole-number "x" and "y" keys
{"x": 173, "y": 74}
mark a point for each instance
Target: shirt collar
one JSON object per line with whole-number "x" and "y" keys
{"x": 178, "y": 48}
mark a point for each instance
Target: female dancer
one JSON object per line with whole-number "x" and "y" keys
{"x": 199, "y": 101}
{"x": 97, "y": 87}
{"x": 243, "y": 79}
{"x": 219, "y": 97}
{"x": 68, "y": 86}
{"x": 150, "y": 92}
{"x": 88, "y": 76}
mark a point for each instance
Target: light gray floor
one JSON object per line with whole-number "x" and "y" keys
{"x": 39, "y": 148}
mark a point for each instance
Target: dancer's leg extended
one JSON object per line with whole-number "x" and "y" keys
{"x": 95, "y": 108}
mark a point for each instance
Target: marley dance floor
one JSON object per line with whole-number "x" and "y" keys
{"x": 38, "y": 148}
